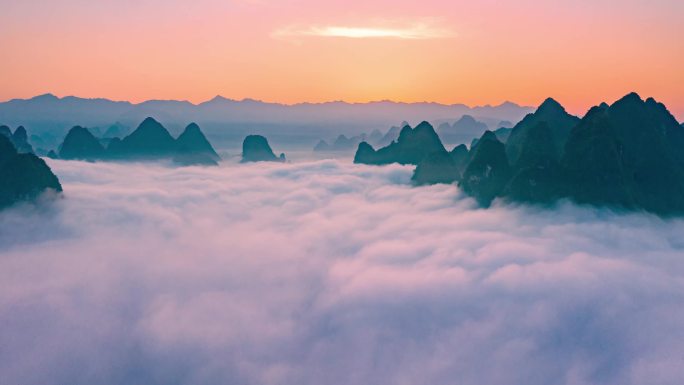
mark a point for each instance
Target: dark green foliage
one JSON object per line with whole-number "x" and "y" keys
{"x": 255, "y": 148}
{"x": 79, "y": 143}
{"x": 410, "y": 148}
{"x": 438, "y": 167}
{"x": 22, "y": 176}
{"x": 488, "y": 170}
{"x": 550, "y": 112}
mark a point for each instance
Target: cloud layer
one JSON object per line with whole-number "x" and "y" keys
{"x": 328, "y": 273}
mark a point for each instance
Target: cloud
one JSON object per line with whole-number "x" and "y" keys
{"x": 328, "y": 272}
{"x": 412, "y": 31}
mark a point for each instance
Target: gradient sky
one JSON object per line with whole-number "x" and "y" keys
{"x": 475, "y": 52}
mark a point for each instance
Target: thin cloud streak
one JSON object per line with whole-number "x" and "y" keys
{"x": 415, "y": 31}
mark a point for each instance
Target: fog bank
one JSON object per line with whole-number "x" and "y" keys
{"x": 325, "y": 272}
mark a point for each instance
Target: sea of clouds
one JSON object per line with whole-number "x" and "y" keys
{"x": 324, "y": 272}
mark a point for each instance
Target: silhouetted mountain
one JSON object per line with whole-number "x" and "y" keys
{"x": 463, "y": 130}
{"x": 505, "y": 124}
{"x": 390, "y": 136}
{"x": 341, "y": 143}
{"x": 192, "y": 144}
{"x": 375, "y": 136}
{"x": 537, "y": 176}
{"x": 435, "y": 168}
{"x": 550, "y": 112}
{"x": 6, "y": 132}
{"x": 81, "y": 144}
{"x": 461, "y": 156}
{"x": 503, "y": 133}
{"x": 628, "y": 155}
{"x": 322, "y": 146}
{"x": 116, "y": 130}
{"x": 149, "y": 140}
{"x": 23, "y": 176}
{"x": 255, "y": 148}
{"x": 20, "y": 141}
{"x": 71, "y": 111}
{"x": 487, "y": 171}
{"x": 412, "y": 146}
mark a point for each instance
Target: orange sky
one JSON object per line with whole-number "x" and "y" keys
{"x": 581, "y": 52}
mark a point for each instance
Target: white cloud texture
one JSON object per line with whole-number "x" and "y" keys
{"x": 328, "y": 273}
{"x": 413, "y": 31}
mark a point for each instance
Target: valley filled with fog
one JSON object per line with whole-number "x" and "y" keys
{"x": 321, "y": 271}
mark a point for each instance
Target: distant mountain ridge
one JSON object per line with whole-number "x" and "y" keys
{"x": 70, "y": 111}
{"x": 151, "y": 140}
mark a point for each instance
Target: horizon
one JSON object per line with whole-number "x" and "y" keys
{"x": 301, "y": 51}
{"x": 679, "y": 117}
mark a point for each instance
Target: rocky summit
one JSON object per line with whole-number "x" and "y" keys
{"x": 23, "y": 177}
{"x": 255, "y": 148}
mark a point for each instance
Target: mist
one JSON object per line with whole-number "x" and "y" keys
{"x": 325, "y": 272}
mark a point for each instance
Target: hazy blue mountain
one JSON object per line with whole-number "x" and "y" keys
{"x": 255, "y": 148}
{"x": 461, "y": 156}
{"x": 488, "y": 170}
{"x": 462, "y": 131}
{"x": 116, "y": 130}
{"x": 410, "y": 148}
{"x": 551, "y": 112}
{"x": 537, "y": 175}
{"x": 435, "y": 168}
{"x": 80, "y": 143}
{"x": 322, "y": 146}
{"x": 228, "y": 120}
{"x": 6, "y": 132}
{"x": 23, "y": 176}
{"x": 193, "y": 141}
{"x": 629, "y": 155}
{"x": 390, "y": 136}
{"x": 340, "y": 144}
{"x": 20, "y": 141}
{"x": 149, "y": 140}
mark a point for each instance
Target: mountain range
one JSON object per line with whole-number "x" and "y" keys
{"x": 23, "y": 176}
{"x": 151, "y": 140}
{"x": 230, "y": 120}
{"x": 627, "y": 155}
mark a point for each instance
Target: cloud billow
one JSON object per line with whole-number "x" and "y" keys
{"x": 327, "y": 272}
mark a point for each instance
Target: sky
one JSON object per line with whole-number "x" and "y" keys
{"x": 326, "y": 272}
{"x": 474, "y": 52}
